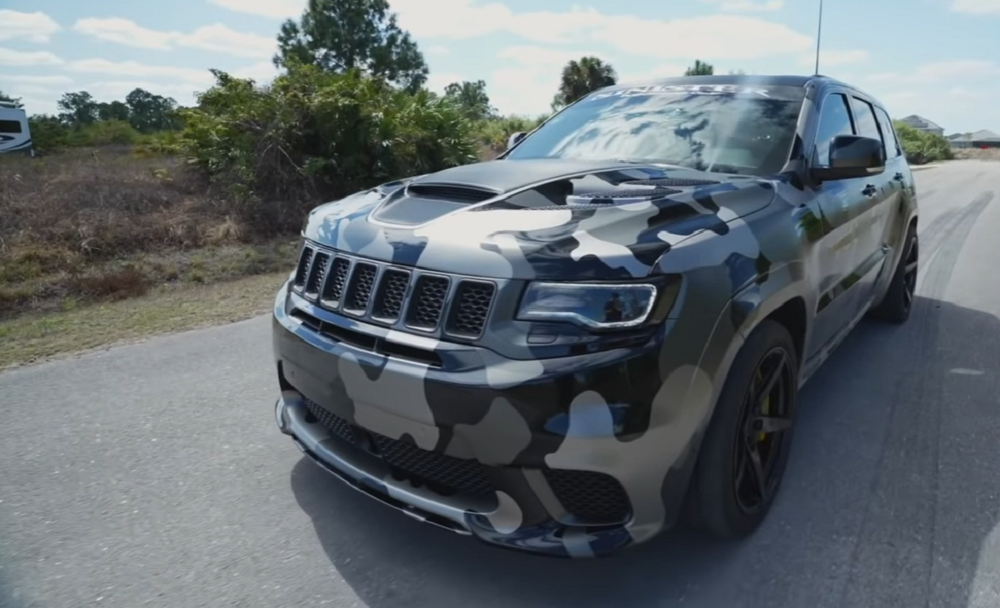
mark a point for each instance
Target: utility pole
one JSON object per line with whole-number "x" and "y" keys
{"x": 819, "y": 34}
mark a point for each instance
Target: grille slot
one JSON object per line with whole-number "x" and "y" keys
{"x": 316, "y": 274}
{"x": 391, "y": 291}
{"x": 444, "y": 474}
{"x": 303, "y": 270}
{"x": 591, "y": 498}
{"x": 470, "y": 309}
{"x": 333, "y": 290}
{"x": 359, "y": 289}
{"x": 427, "y": 302}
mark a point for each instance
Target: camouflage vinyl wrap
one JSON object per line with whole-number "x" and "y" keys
{"x": 632, "y": 405}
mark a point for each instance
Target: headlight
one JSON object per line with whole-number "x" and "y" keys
{"x": 603, "y": 306}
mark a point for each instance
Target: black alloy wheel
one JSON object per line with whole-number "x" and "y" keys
{"x": 910, "y": 274}
{"x": 743, "y": 457}
{"x": 899, "y": 296}
{"x": 759, "y": 443}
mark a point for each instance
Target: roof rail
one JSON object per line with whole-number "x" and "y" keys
{"x": 10, "y": 104}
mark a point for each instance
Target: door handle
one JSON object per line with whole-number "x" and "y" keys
{"x": 869, "y": 190}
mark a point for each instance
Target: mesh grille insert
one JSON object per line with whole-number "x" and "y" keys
{"x": 359, "y": 290}
{"x": 334, "y": 288}
{"x": 470, "y": 309}
{"x": 427, "y": 302}
{"x": 441, "y": 473}
{"x": 592, "y": 498}
{"x": 317, "y": 273}
{"x": 391, "y": 291}
{"x": 303, "y": 269}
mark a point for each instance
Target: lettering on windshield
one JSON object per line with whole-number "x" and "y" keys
{"x": 690, "y": 89}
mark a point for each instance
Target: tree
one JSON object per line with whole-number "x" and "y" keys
{"x": 471, "y": 98}
{"x": 700, "y": 69}
{"x": 14, "y": 100}
{"x": 148, "y": 112}
{"x": 739, "y": 72}
{"x": 580, "y": 77}
{"x": 78, "y": 109}
{"x": 340, "y": 35}
{"x": 115, "y": 110}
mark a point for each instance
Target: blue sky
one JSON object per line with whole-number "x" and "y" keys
{"x": 936, "y": 58}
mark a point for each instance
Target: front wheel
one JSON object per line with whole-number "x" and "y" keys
{"x": 898, "y": 302}
{"x": 745, "y": 451}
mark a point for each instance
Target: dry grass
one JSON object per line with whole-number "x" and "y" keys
{"x": 97, "y": 225}
{"x": 33, "y": 338}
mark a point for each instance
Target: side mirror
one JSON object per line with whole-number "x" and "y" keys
{"x": 852, "y": 156}
{"x": 514, "y": 138}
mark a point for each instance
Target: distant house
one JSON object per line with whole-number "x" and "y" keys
{"x": 922, "y": 124}
{"x": 979, "y": 139}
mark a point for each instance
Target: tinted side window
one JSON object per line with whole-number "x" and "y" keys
{"x": 888, "y": 133}
{"x": 864, "y": 114}
{"x": 834, "y": 120}
{"x": 10, "y": 126}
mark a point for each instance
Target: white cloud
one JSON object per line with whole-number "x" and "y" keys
{"x": 834, "y": 57}
{"x": 707, "y": 37}
{"x": 106, "y": 90}
{"x": 139, "y": 70}
{"x": 939, "y": 71}
{"x": 217, "y": 38}
{"x": 528, "y": 86}
{"x": 261, "y": 72}
{"x": 437, "y": 81}
{"x": 36, "y": 27}
{"x": 221, "y": 39}
{"x": 747, "y": 5}
{"x": 125, "y": 32}
{"x": 661, "y": 71}
{"x": 35, "y": 79}
{"x": 275, "y": 9}
{"x": 976, "y": 7}
{"x": 12, "y": 57}
{"x": 438, "y": 50}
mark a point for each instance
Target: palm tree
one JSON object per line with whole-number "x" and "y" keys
{"x": 581, "y": 76}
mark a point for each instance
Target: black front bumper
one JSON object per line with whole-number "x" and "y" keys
{"x": 474, "y": 444}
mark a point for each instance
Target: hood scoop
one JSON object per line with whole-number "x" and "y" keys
{"x": 452, "y": 193}
{"x": 420, "y": 203}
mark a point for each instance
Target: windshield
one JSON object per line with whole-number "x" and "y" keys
{"x": 724, "y": 128}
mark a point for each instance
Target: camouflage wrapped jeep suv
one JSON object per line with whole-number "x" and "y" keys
{"x": 563, "y": 349}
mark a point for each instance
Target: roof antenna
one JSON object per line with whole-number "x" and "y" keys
{"x": 819, "y": 34}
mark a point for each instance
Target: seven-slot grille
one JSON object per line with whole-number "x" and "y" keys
{"x": 425, "y": 302}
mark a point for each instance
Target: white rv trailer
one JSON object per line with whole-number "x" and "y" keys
{"x": 14, "y": 133}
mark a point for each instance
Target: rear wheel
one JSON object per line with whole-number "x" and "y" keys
{"x": 746, "y": 449}
{"x": 898, "y": 302}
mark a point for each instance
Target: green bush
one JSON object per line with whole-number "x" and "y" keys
{"x": 103, "y": 133}
{"x": 314, "y": 136}
{"x": 48, "y": 133}
{"x": 494, "y": 132}
{"x": 921, "y": 147}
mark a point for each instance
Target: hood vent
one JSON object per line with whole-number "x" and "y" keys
{"x": 666, "y": 182}
{"x": 451, "y": 193}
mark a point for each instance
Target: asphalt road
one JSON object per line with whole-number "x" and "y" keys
{"x": 153, "y": 475}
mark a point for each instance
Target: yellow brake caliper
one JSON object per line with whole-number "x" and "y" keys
{"x": 765, "y": 408}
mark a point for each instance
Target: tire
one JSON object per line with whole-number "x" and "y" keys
{"x": 897, "y": 304}
{"x": 725, "y": 508}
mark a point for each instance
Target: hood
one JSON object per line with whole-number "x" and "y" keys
{"x": 537, "y": 219}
